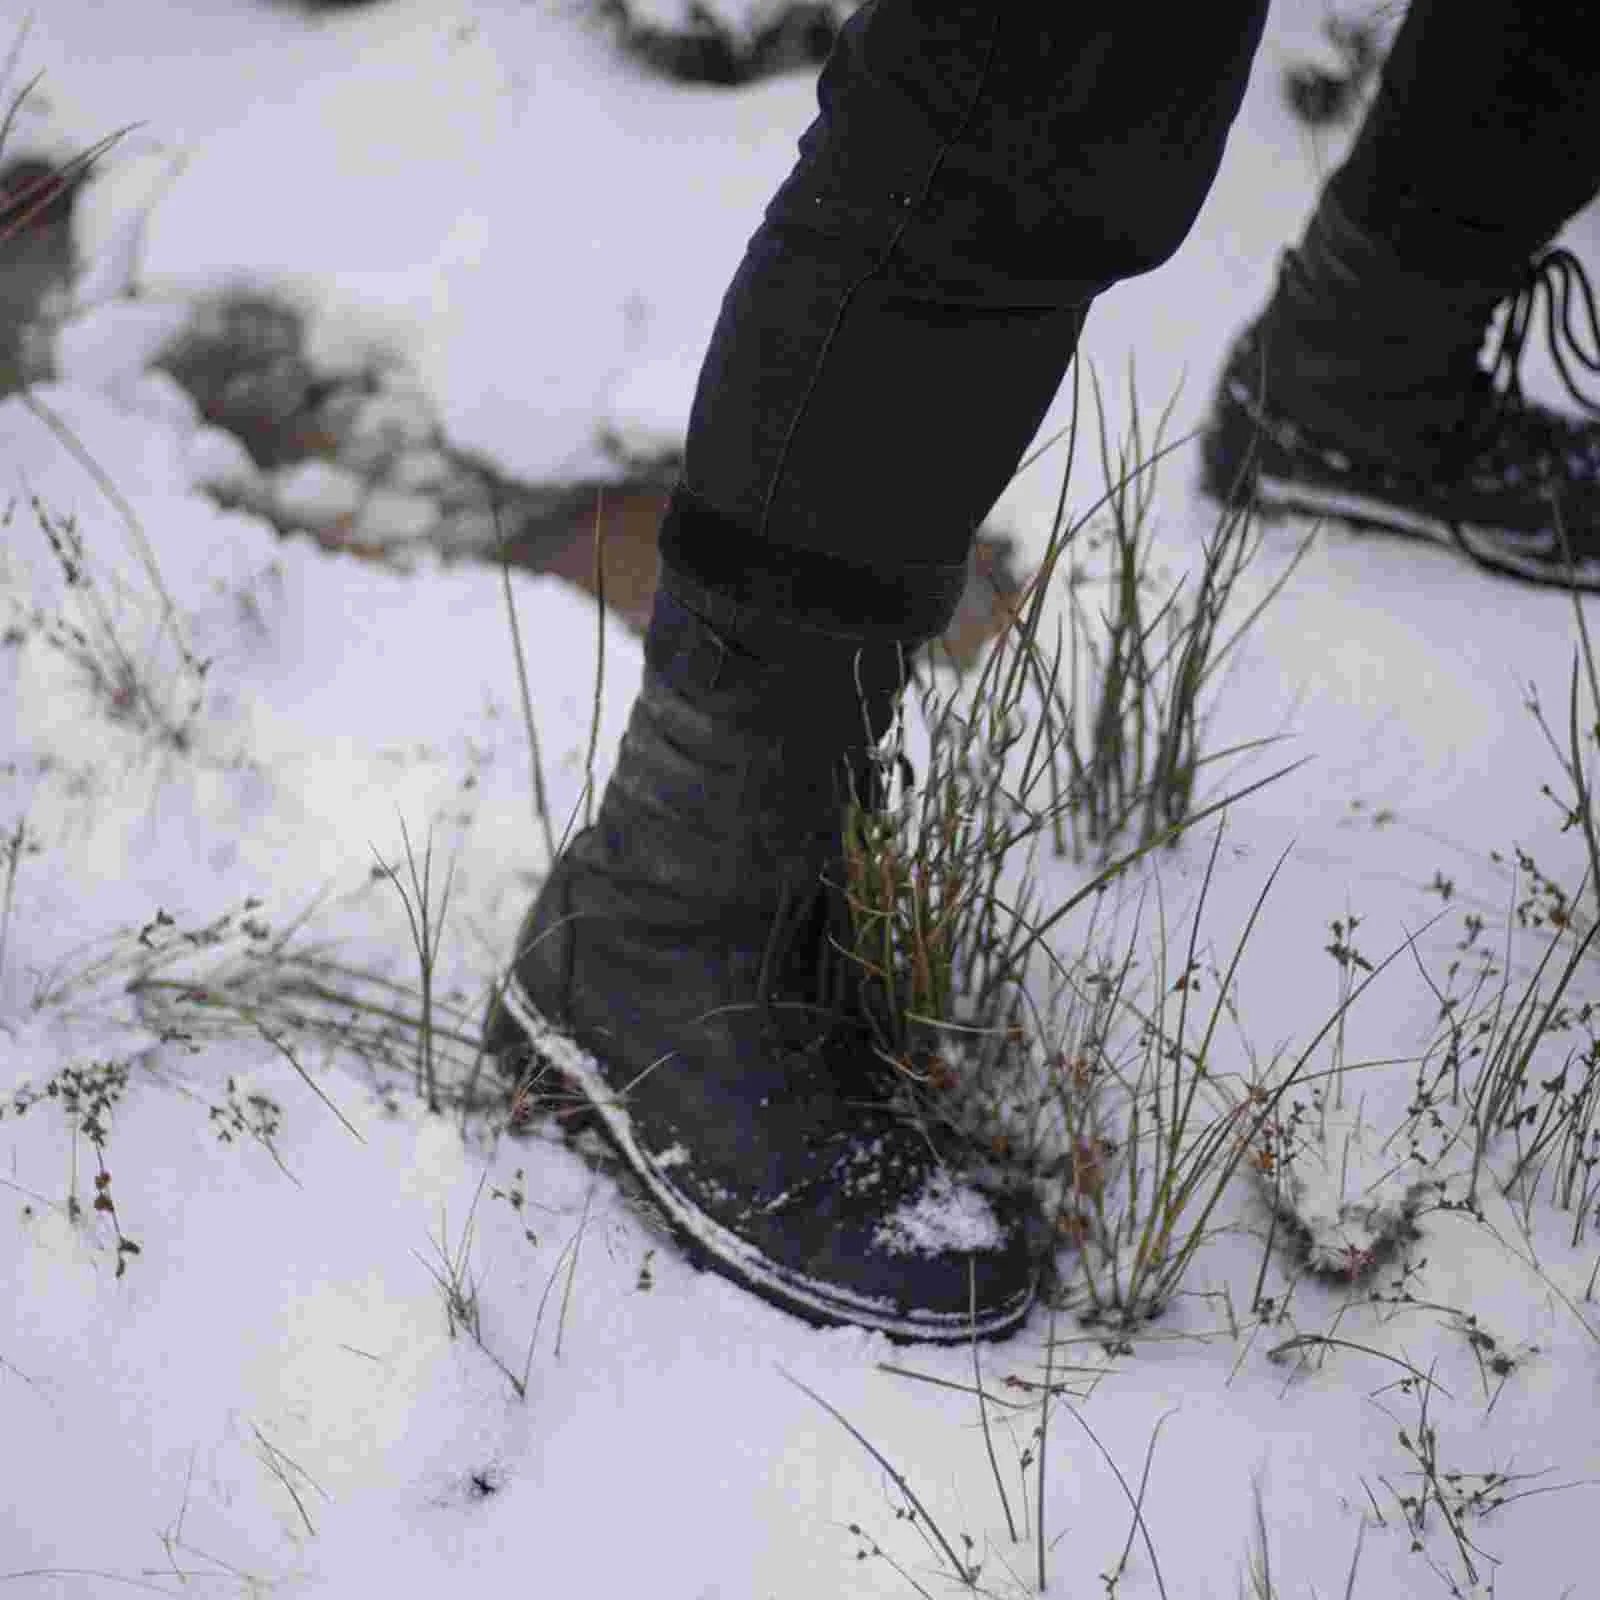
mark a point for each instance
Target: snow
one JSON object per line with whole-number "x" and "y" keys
{"x": 265, "y": 1391}
{"x": 317, "y": 489}
{"x": 943, "y": 1216}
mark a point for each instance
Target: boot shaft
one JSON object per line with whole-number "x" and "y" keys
{"x": 1350, "y": 323}
{"x": 735, "y": 772}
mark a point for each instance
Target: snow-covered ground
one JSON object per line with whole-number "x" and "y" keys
{"x": 229, "y": 1367}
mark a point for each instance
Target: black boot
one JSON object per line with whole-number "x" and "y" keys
{"x": 1358, "y": 394}
{"x": 680, "y": 972}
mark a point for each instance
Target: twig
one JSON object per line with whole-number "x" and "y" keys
{"x": 572, "y": 1268}
{"x": 883, "y": 1461}
{"x": 536, "y": 760}
{"x": 983, "y": 1412}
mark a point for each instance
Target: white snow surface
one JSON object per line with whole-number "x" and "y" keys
{"x": 268, "y": 1398}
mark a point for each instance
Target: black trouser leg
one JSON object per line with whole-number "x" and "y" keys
{"x": 904, "y": 316}
{"x": 1484, "y": 137}
{"x": 1480, "y": 143}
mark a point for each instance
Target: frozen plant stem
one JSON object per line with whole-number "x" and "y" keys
{"x": 938, "y": 947}
{"x": 459, "y": 1288}
{"x": 1044, "y": 1429}
{"x": 454, "y": 1274}
{"x": 1261, "y": 1562}
{"x": 1584, "y": 798}
{"x": 141, "y": 543}
{"x": 568, "y": 1255}
{"x": 1142, "y": 669}
{"x": 572, "y": 1270}
{"x": 1135, "y": 1501}
{"x": 13, "y": 56}
{"x": 599, "y": 658}
{"x": 1592, "y": 678}
{"x": 1508, "y": 1053}
{"x": 280, "y": 1466}
{"x": 1424, "y": 1450}
{"x": 536, "y": 759}
{"x": 425, "y": 936}
{"x": 983, "y": 1410}
{"x": 899, "y": 1478}
{"x": 12, "y": 847}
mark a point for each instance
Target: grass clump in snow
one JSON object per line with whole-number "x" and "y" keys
{"x": 1090, "y": 745}
{"x": 456, "y": 1278}
{"x": 1151, "y": 1127}
{"x": 1113, "y": 1097}
{"x": 1079, "y": 749}
{"x": 86, "y": 1094}
{"x": 427, "y": 929}
{"x": 86, "y": 629}
{"x": 1482, "y": 1081}
{"x": 1130, "y": 702}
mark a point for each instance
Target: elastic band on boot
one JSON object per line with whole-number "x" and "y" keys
{"x": 734, "y": 578}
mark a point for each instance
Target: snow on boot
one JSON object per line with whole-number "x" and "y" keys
{"x": 680, "y": 971}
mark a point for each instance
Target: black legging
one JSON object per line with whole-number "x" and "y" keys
{"x": 978, "y": 173}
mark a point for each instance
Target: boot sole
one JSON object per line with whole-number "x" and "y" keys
{"x": 1533, "y": 558}
{"x": 711, "y": 1246}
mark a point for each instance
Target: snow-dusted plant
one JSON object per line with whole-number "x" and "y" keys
{"x": 1156, "y": 1134}
{"x": 1038, "y": 746}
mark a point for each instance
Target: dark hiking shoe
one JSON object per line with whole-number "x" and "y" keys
{"x": 677, "y": 975}
{"x": 1308, "y": 419}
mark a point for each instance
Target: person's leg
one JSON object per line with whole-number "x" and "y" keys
{"x": 1359, "y": 391}
{"x": 1481, "y": 141}
{"x": 885, "y": 354}
{"x": 904, "y": 316}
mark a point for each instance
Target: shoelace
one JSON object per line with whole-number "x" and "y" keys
{"x": 1565, "y": 286}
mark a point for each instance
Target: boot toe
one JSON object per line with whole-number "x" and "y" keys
{"x": 835, "y": 1212}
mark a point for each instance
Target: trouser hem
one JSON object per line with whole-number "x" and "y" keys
{"x": 741, "y": 583}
